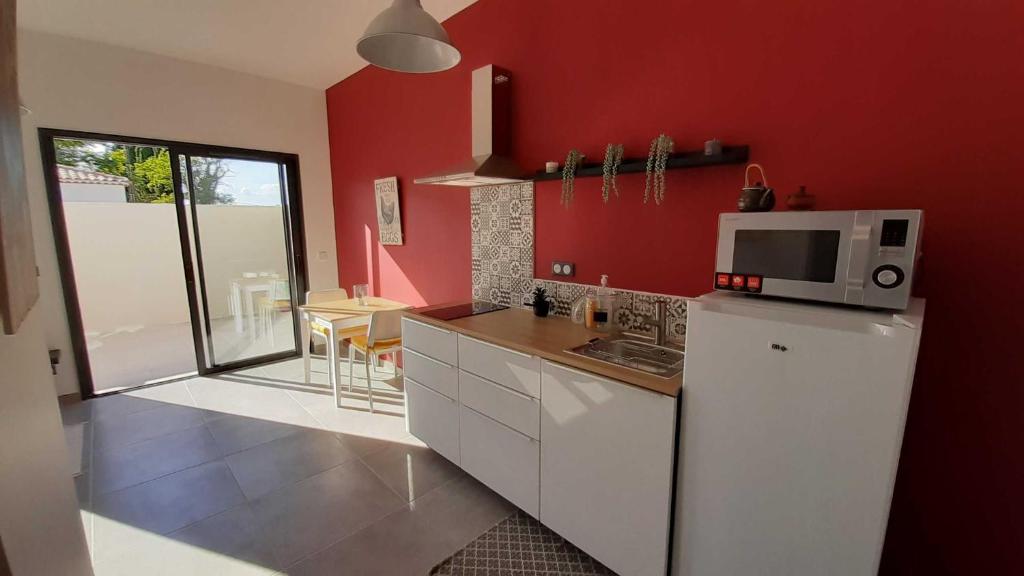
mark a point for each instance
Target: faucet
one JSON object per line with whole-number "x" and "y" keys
{"x": 658, "y": 322}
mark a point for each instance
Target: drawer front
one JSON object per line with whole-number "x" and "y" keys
{"x": 433, "y": 418}
{"x": 431, "y": 373}
{"x": 438, "y": 343}
{"x": 513, "y": 409}
{"x": 516, "y": 370}
{"x": 505, "y": 460}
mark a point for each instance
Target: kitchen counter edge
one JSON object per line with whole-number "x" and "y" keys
{"x": 548, "y": 338}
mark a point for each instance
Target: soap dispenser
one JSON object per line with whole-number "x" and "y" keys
{"x": 604, "y": 307}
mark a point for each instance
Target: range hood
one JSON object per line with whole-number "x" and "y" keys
{"x": 488, "y": 164}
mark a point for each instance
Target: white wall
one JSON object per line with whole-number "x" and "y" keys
{"x": 81, "y": 85}
{"x": 81, "y": 192}
{"x": 127, "y": 258}
{"x": 39, "y": 521}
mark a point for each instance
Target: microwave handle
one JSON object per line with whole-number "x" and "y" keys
{"x": 860, "y": 251}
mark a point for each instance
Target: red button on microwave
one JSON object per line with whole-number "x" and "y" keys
{"x": 739, "y": 281}
{"x": 754, "y": 283}
{"x": 721, "y": 280}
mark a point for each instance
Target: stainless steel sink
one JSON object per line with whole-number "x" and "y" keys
{"x": 634, "y": 353}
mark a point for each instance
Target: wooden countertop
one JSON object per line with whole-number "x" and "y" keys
{"x": 548, "y": 338}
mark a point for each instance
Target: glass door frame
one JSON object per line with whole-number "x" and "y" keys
{"x": 291, "y": 206}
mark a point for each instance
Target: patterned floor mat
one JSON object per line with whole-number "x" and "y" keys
{"x": 520, "y": 546}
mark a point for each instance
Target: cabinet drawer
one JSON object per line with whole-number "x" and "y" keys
{"x": 513, "y": 409}
{"x": 431, "y": 373}
{"x": 433, "y": 418}
{"x": 516, "y": 370}
{"x": 505, "y": 460}
{"x": 438, "y": 343}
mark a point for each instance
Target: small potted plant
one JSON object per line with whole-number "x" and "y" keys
{"x": 541, "y": 303}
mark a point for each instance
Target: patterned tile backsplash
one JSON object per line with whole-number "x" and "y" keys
{"x": 632, "y": 307}
{"x": 501, "y": 221}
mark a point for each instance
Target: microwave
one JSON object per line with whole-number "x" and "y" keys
{"x": 861, "y": 258}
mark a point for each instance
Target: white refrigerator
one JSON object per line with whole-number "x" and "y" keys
{"x": 791, "y": 425}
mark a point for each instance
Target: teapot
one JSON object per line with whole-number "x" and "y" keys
{"x": 756, "y": 198}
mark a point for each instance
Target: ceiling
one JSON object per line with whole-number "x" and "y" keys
{"x": 307, "y": 42}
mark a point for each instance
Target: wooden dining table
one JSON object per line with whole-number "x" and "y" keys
{"x": 336, "y": 316}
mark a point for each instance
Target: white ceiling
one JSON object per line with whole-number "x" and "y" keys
{"x": 307, "y": 42}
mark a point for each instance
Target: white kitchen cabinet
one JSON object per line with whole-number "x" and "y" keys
{"x": 505, "y": 460}
{"x": 433, "y": 418}
{"x": 606, "y": 468}
{"x": 437, "y": 343}
{"x": 510, "y": 368}
{"x": 513, "y": 409}
{"x": 439, "y": 376}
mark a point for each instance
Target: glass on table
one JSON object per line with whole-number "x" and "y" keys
{"x": 361, "y": 291}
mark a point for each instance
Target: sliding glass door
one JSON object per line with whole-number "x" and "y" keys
{"x": 238, "y": 215}
{"x": 175, "y": 258}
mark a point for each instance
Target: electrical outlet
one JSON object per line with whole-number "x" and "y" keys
{"x": 563, "y": 268}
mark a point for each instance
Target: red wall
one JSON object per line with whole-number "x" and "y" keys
{"x": 872, "y": 104}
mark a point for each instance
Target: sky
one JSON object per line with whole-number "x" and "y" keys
{"x": 252, "y": 183}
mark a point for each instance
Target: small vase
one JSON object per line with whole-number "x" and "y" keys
{"x": 541, "y": 309}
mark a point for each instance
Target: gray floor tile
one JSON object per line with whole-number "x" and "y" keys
{"x": 235, "y": 533}
{"x": 228, "y": 544}
{"x": 83, "y": 490}
{"x": 248, "y": 396}
{"x": 124, "y": 466}
{"x": 144, "y": 425}
{"x": 411, "y": 471}
{"x": 176, "y": 393}
{"x": 118, "y": 405}
{"x": 171, "y": 502}
{"x": 76, "y": 412}
{"x": 311, "y": 515}
{"x": 235, "y": 433}
{"x": 280, "y": 462}
{"x": 364, "y": 446}
{"x": 415, "y": 538}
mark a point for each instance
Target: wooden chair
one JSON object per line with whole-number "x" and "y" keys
{"x": 383, "y": 336}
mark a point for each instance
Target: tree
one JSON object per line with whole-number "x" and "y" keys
{"x": 151, "y": 179}
{"x": 206, "y": 176}
{"x": 147, "y": 167}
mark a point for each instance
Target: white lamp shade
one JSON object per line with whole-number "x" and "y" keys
{"x": 405, "y": 38}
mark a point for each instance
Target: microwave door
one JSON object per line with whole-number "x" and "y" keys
{"x": 797, "y": 257}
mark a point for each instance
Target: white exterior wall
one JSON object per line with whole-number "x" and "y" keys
{"x": 81, "y": 85}
{"x": 127, "y": 258}
{"x": 80, "y": 192}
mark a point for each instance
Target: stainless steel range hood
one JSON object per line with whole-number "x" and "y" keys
{"x": 489, "y": 164}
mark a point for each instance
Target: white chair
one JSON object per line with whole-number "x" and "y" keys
{"x": 318, "y": 331}
{"x": 279, "y": 300}
{"x": 383, "y": 336}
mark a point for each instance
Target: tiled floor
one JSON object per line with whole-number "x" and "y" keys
{"x": 255, "y": 472}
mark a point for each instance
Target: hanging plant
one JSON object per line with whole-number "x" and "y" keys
{"x": 572, "y": 162}
{"x": 612, "y": 160}
{"x": 657, "y": 160}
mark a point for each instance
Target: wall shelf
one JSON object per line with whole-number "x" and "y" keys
{"x": 729, "y": 155}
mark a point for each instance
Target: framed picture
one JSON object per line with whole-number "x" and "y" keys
{"x": 389, "y": 214}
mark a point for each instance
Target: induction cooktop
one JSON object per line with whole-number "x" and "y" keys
{"x": 462, "y": 310}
